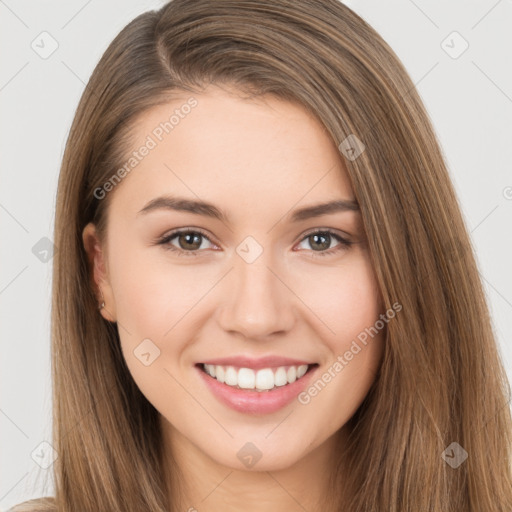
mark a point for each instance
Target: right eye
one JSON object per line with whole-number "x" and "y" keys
{"x": 189, "y": 241}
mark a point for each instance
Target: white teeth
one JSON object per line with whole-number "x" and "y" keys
{"x": 230, "y": 377}
{"x": 246, "y": 378}
{"x": 210, "y": 368}
{"x": 301, "y": 370}
{"x": 264, "y": 379}
{"x": 291, "y": 374}
{"x": 261, "y": 380}
{"x": 280, "y": 376}
{"x": 218, "y": 373}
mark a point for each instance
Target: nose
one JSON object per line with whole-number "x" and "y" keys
{"x": 259, "y": 301}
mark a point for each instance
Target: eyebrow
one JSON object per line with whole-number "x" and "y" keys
{"x": 206, "y": 209}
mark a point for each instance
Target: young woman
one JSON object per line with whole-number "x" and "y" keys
{"x": 264, "y": 293}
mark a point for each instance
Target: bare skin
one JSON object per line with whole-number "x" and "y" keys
{"x": 258, "y": 161}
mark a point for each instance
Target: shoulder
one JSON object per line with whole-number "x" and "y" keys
{"x": 35, "y": 505}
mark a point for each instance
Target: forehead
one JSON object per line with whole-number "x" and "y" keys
{"x": 229, "y": 149}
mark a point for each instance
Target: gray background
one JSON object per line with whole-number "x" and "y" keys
{"x": 469, "y": 99}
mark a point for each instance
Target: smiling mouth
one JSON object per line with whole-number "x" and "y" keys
{"x": 263, "y": 379}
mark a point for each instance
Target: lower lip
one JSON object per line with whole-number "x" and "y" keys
{"x": 255, "y": 402}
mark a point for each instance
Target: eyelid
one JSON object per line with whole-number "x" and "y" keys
{"x": 341, "y": 234}
{"x": 178, "y": 231}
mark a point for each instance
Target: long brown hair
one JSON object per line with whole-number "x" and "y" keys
{"x": 441, "y": 380}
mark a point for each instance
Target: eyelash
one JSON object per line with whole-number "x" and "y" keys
{"x": 344, "y": 243}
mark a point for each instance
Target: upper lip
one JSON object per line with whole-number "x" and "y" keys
{"x": 256, "y": 363}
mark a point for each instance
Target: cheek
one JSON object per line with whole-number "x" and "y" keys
{"x": 153, "y": 294}
{"x": 152, "y": 301}
{"x": 158, "y": 300}
{"x": 352, "y": 309}
{"x": 345, "y": 300}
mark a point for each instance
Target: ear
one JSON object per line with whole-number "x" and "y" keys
{"x": 97, "y": 266}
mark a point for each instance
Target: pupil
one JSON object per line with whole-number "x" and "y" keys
{"x": 188, "y": 237}
{"x": 325, "y": 244}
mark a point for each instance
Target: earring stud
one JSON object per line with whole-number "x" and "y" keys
{"x": 102, "y": 305}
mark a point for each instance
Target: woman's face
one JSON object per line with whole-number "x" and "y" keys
{"x": 254, "y": 286}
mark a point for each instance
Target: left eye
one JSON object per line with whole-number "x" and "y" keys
{"x": 190, "y": 241}
{"x": 322, "y": 241}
